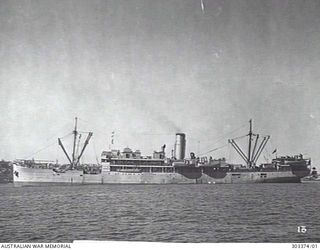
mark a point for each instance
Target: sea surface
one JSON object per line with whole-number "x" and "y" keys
{"x": 161, "y": 213}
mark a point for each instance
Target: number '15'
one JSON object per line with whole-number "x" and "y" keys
{"x": 302, "y": 229}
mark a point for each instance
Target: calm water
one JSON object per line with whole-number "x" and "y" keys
{"x": 175, "y": 213}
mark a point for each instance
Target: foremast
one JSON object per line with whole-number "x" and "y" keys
{"x": 254, "y": 153}
{"x": 75, "y": 160}
{"x": 75, "y": 134}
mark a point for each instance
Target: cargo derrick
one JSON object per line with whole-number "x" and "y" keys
{"x": 252, "y": 157}
{"x": 75, "y": 159}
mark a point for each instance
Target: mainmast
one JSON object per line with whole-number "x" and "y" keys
{"x": 253, "y": 154}
{"x": 75, "y": 133}
{"x": 249, "y": 146}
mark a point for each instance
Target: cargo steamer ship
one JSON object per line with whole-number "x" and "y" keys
{"x": 130, "y": 167}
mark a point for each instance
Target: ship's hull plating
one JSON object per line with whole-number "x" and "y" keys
{"x": 33, "y": 176}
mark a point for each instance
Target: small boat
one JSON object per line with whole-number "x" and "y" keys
{"x": 313, "y": 177}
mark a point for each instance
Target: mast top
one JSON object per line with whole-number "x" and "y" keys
{"x": 75, "y": 124}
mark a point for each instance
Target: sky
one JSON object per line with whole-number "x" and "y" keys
{"x": 147, "y": 69}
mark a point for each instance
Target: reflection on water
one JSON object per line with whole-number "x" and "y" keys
{"x": 175, "y": 213}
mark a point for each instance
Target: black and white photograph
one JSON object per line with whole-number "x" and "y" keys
{"x": 159, "y": 121}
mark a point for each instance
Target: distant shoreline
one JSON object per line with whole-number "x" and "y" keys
{"x": 6, "y": 172}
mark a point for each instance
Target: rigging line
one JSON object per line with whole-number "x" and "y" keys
{"x": 54, "y": 136}
{"x": 230, "y": 151}
{"x": 84, "y": 132}
{"x": 70, "y": 133}
{"x": 95, "y": 151}
{"x": 268, "y": 154}
{"x": 271, "y": 145}
{"x": 90, "y": 123}
{"x": 152, "y": 134}
{"x": 40, "y": 150}
{"x": 239, "y": 137}
{"x": 222, "y": 137}
{"x": 215, "y": 149}
{"x": 94, "y": 129}
{"x": 59, "y": 137}
{"x": 264, "y": 135}
{"x": 83, "y": 120}
{"x": 47, "y": 146}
